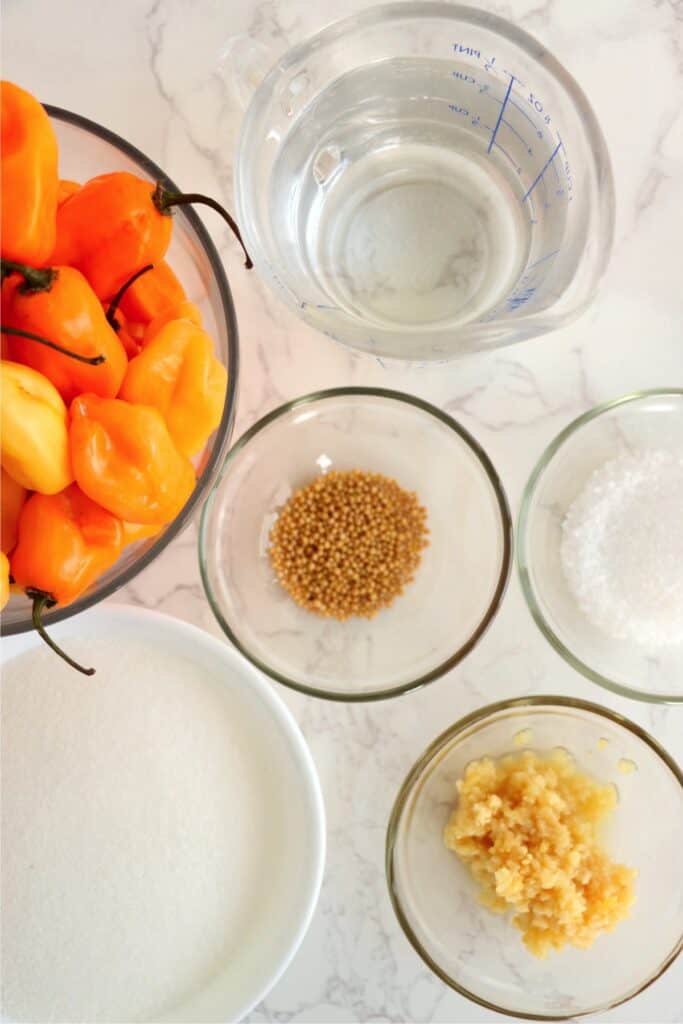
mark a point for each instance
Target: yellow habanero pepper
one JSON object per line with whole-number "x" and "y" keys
{"x": 178, "y": 373}
{"x": 34, "y": 446}
{"x": 4, "y": 579}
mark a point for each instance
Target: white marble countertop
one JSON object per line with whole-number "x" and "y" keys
{"x": 147, "y": 70}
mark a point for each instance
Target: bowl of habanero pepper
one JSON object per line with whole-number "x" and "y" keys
{"x": 119, "y": 362}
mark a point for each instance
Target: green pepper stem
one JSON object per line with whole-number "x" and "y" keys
{"x": 116, "y": 301}
{"x": 42, "y": 600}
{"x": 89, "y": 360}
{"x": 164, "y": 200}
{"x": 35, "y": 278}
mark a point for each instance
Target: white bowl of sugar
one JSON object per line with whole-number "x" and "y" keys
{"x": 163, "y": 829}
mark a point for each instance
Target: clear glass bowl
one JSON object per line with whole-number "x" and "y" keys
{"x": 649, "y": 419}
{"x": 481, "y": 954}
{"x": 458, "y": 587}
{"x": 424, "y": 180}
{"x": 87, "y": 149}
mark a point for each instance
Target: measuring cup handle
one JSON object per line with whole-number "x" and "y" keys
{"x": 244, "y": 63}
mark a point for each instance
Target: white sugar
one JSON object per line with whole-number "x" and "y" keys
{"x": 132, "y": 833}
{"x": 622, "y": 548}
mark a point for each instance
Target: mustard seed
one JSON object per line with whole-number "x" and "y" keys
{"x": 348, "y": 543}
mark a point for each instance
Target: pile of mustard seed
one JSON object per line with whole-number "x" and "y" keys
{"x": 348, "y": 543}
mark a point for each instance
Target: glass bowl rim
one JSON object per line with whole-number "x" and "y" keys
{"x": 412, "y": 9}
{"x": 504, "y": 517}
{"x": 521, "y": 546}
{"x": 224, "y": 429}
{"x": 405, "y": 790}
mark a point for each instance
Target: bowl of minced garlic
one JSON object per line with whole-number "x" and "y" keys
{"x": 533, "y": 858}
{"x": 527, "y": 828}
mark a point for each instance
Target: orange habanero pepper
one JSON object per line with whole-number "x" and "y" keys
{"x": 178, "y": 373}
{"x": 181, "y": 311}
{"x": 12, "y": 499}
{"x": 28, "y": 177}
{"x": 58, "y": 304}
{"x": 137, "y": 332}
{"x": 133, "y": 532}
{"x": 4, "y": 580}
{"x": 119, "y": 322}
{"x": 124, "y": 458}
{"x": 116, "y": 223}
{"x": 65, "y": 542}
{"x": 153, "y": 294}
{"x": 66, "y": 188}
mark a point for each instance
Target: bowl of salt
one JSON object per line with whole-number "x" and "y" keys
{"x": 600, "y": 545}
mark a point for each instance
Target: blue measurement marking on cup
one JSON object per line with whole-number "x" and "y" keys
{"x": 524, "y": 114}
{"x": 540, "y": 174}
{"x": 544, "y": 190}
{"x": 511, "y": 159}
{"x": 508, "y": 124}
{"x": 514, "y": 131}
{"x": 523, "y": 291}
{"x": 514, "y": 164}
{"x": 501, "y": 112}
{"x": 517, "y": 96}
{"x": 487, "y": 128}
{"x": 547, "y": 256}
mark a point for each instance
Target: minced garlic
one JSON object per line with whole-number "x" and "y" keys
{"x": 526, "y": 826}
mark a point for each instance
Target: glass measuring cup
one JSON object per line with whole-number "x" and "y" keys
{"x": 424, "y": 180}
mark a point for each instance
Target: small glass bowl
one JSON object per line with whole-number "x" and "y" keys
{"x": 481, "y": 954}
{"x": 458, "y": 586}
{"x": 649, "y": 419}
{"x": 87, "y": 149}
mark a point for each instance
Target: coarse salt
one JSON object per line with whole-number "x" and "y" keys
{"x": 622, "y": 547}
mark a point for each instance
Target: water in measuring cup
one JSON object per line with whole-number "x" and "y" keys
{"x": 386, "y": 199}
